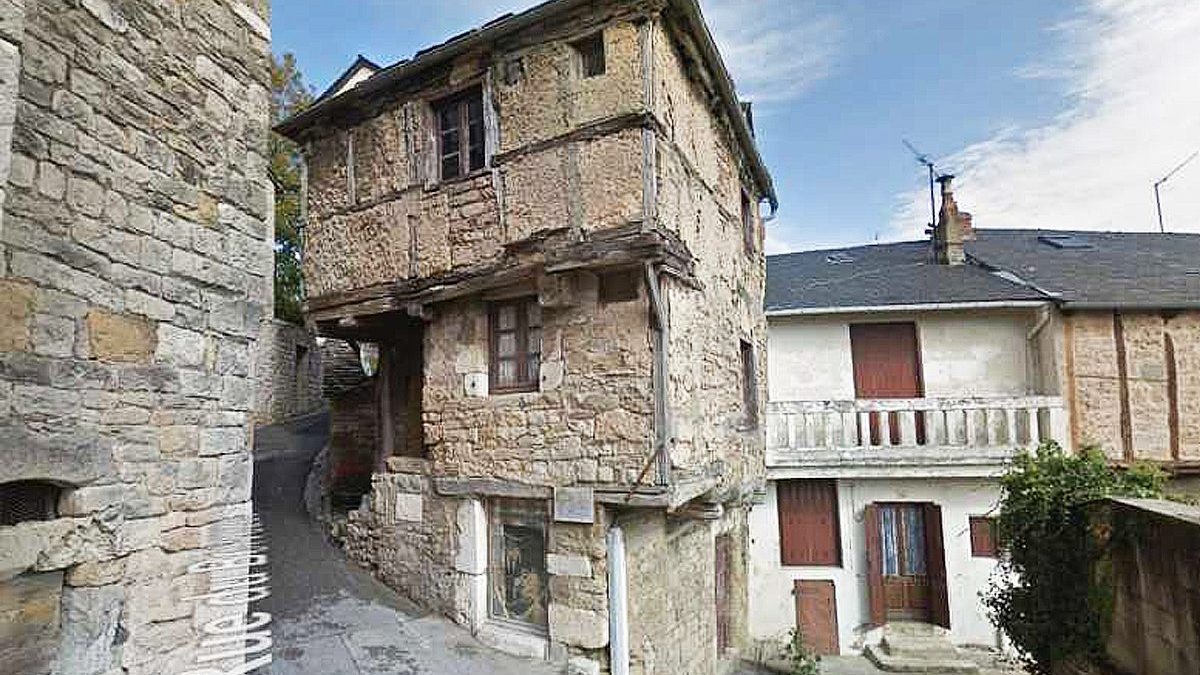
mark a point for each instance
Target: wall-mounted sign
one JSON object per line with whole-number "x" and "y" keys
{"x": 368, "y": 356}
{"x": 574, "y": 505}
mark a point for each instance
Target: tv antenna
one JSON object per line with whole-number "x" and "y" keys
{"x": 1157, "y": 199}
{"x": 924, "y": 161}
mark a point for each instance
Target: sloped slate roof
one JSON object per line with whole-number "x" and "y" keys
{"x": 1097, "y": 269}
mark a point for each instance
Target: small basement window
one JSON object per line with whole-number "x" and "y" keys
{"x": 590, "y": 52}
{"x": 460, "y": 133}
{"x": 517, "y": 562}
{"x": 25, "y": 501}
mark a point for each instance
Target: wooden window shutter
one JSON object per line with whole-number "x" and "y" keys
{"x": 875, "y": 566}
{"x": 983, "y": 537}
{"x": 939, "y": 599}
{"x": 808, "y": 522}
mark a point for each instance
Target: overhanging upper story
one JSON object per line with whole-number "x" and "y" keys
{"x": 570, "y": 136}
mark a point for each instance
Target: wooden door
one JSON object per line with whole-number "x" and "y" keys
{"x": 887, "y": 364}
{"x": 816, "y": 615}
{"x": 904, "y": 561}
{"x": 939, "y": 593}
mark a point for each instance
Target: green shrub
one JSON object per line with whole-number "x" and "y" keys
{"x": 1042, "y": 596}
{"x": 804, "y": 661}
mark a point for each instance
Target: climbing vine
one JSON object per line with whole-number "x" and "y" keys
{"x": 1042, "y": 597}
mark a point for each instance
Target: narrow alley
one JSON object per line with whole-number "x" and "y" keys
{"x": 330, "y": 617}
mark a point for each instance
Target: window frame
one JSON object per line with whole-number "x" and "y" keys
{"x": 749, "y": 225}
{"x": 526, "y": 381}
{"x": 461, "y": 102}
{"x": 587, "y": 49}
{"x": 978, "y": 550}
{"x": 748, "y": 357}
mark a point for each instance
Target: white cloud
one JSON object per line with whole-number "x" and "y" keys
{"x": 775, "y": 49}
{"x": 1132, "y": 72}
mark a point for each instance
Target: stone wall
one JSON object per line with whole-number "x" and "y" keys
{"x": 1140, "y": 367}
{"x": 135, "y": 265}
{"x": 1148, "y": 573}
{"x": 288, "y": 373}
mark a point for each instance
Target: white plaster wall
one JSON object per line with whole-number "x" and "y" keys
{"x": 977, "y": 353}
{"x": 772, "y": 604}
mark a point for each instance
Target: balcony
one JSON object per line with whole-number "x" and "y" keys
{"x": 921, "y": 437}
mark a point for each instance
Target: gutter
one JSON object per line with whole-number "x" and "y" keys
{"x": 922, "y": 307}
{"x": 1159, "y": 306}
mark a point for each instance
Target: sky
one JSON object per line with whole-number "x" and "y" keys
{"x": 1051, "y": 114}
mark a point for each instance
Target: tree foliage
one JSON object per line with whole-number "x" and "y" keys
{"x": 1042, "y": 596}
{"x": 289, "y": 95}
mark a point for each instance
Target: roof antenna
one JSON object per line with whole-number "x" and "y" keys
{"x": 1158, "y": 200}
{"x": 924, "y": 161}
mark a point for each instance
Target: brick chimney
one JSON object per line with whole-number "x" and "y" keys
{"x": 954, "y": 228}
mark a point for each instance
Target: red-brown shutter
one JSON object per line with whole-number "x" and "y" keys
{"x": 939, "y": 599}
{"x": 808, "y": 522}
{"x": 875, "y": 566}
{"x": 816, "y": 614}
{"x": 983, "y": 537}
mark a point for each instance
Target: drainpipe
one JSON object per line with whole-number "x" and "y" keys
{"x": 618, "y": 610}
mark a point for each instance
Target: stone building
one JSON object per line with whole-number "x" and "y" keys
{"x": 135, "y": 264}
{"x": 543, "y": 236}
{"x": 288, "y": 378}
{"x": 903, "y": 378}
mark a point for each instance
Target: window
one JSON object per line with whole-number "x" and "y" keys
{"x": 517, "y": 562}
{"x": 749, "y": 227}
{"x": 749, "y": 385}
{"x": 985, "y": 539}
{"x": 809, "y": 533}
{"x": 619, "y": 286}
{"x": 460, "y": 133}
{"x": 24, "y": 501}
{"x": 515, "y": 345}
{"x": 591, "y": 55}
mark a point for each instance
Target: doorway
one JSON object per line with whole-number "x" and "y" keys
{"x": 887, "y": 364}
{"x": 906, "y": 563}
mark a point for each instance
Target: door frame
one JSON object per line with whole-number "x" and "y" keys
{"x": 935, "y": 563}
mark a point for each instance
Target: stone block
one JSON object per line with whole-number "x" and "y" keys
{"x": 30, "y": 606}
{"x": 53, "y": 336}
{"x": 87, "y": 500}
{"x": 121, "y": 338}
{"x": 180, "y": 347}
{"x": 565, "y": 565}
{"x": 88, "y": 641}
{"x": 16, "y": 310}
{"x": 222, "y": 441}
{"x": 579, "y": 627}
{"x": 409, "y": 507}
{"x": 101, "y": 573}
{"x": 578, "y": 665}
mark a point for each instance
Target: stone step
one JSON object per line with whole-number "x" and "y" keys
{"x": 918, "y": 647}
{"x": 951, "y": 665}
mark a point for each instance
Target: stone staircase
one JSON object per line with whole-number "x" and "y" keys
{"x": 910, "y": 647}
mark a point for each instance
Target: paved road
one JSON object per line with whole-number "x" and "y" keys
{"x": 331, "y": 617}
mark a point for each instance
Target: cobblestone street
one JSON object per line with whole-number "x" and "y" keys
{"x": 330, "y": 617}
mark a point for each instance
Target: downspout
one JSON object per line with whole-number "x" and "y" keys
{"x": 662, "y": 412}
{"x": 618, "y": 609}
{"x": 1030, "y": 337}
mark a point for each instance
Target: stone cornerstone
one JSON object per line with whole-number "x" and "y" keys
{"x": 135, "y": 267}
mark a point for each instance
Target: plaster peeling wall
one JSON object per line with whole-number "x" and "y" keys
{"x": 772, "y": 605}
{"x": 136, "y": 266}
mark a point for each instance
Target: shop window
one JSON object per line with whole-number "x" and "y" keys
{"x": 515, "y": 345}
{"x": 517, "y": 575}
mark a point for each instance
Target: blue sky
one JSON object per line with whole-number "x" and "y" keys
{"x": 1054, "y": 114}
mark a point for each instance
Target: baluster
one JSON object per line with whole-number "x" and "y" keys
{"x": 969, "y": 423}
{"x": 811, "y": 431}
{"x": 791, "y": 430}
{"x": 834, "y": 433}
{"x": 991, "y": 426}
{"x": 908, "y": 427}
{"x": 1010, "y": 419}
{"x": 885, "y": 429}
{"x": 850, "y": 429}
{"x": 864, "y": 429}
{"x": 1035, "y": 426}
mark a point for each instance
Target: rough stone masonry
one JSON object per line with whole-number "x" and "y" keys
{"x": 135, "y": 266}
{"x": 548, "y": 231}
